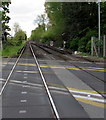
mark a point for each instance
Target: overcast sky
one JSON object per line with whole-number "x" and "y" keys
{"x": 25, "y": 12}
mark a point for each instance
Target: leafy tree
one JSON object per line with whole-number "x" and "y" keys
{"x": 74, "y": 22}
{"x": 37, "y": 33}
{"x": 19, "y": 37}
{"x": 16, "y": 27}
{"x": 5, "y": 19}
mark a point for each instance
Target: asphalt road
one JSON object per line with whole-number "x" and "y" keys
{"x": 75, "y": 91}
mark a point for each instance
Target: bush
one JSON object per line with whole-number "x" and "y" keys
{"x": 74, "y": 44}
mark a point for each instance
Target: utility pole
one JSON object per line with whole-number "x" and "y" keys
{"x": 104, "y": 48}
{"x": 99, "y": 27}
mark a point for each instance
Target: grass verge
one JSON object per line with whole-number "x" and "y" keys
{"x": 86, "y": 54}
{"x": 10, "y": 50}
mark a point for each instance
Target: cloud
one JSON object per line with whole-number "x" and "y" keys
{"x": 25, "y": 12}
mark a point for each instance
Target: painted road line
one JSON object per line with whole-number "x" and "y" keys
{"x": 27, "y": 71}
{"x": 60, "y": 92}
{"x": 96, "y": 104}
{"x": 85, "y": 93}
{"x": 23, "y": 101}
{"x": 60, "y": 87}
{"x": 80, "y": 96}
{"x": 90, "y": 98}
{"x": 67, "y": 67}
{"x": 23, "y": 92}
{"x": 25, "y": 77}
{"x": 33, "y": 72}
{"x": 24, "y": 81}
{"x": 22, "y": 111}
{"x": 79, "y": 90}
{"x": 26, "y": 86}
{"x": 25, "y": 74}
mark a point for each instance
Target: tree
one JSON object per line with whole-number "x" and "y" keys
{"x": 19, "y": 37}
{"x": 5, "y": 19}
{"x": 16, "y": 27}
{"x": 73, "y": 22}
{"x": 40, "y": 20}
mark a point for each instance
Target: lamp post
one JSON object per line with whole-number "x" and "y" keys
{"x": 99, "y": 27}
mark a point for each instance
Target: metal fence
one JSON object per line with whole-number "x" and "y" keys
{"x": 94, "y": 46}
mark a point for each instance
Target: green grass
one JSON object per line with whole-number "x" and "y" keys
{"x": 10, "y": 50}
{"x": 84, "y": 54}
{"x": 87, "y": 54}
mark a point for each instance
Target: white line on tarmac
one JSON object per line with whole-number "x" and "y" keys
{"x": 25, "y": 77}
{"x": 22, "y": 111}
{"x": 25, "y": 74}
{"x": 90, "y": 98}
{"x": 85, "y": 93}
{"x": 23, "y": 101}
{"x": 23, "y": 92}
{"x": 26, "y": 86}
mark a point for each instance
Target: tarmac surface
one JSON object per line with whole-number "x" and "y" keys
{"x": 77, "y": 87}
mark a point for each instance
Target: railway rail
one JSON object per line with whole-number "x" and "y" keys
{"x": 7, "y": 81}
{"x": 65, "y": 58}
{"x": 49, "y": 89}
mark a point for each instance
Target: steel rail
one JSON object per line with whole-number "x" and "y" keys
{"x": 8, "y": 78}
{"x": 46, "y": 86}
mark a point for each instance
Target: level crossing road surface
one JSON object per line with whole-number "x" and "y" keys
{"x": 77, "y": 87}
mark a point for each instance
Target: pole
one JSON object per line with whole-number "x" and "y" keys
{"x": 92, "y": 50}
{"x": 99, "y": 27}
{"x": 104, "y": 48}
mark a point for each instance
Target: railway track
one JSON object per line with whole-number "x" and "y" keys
{"x": 61, "y": 54}
{"x": 29, "y": 52}
{"x": 46, "y": 86}
{"x": 8, "y": 80}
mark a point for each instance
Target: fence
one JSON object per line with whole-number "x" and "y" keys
{"x": 94, "y": 46}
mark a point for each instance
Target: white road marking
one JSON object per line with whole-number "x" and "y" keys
{"x": 22, "y": 111}
{"x": 85, "y": 93}
{"x": 23, "y": 101}
{"x": 25, "y": 77}
{"x": 25, "y": 74}
{"x": 90, "y": 98}
{"x": 25, "y": 81}
{"x": 25, "y": 86}
{"x": 60, "y": 92}
{"x": 23, "y": 92}
{"x": 89, "y": 95}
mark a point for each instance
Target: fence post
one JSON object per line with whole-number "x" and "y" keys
{"x": 93, "y": 47}
{"x": 104, "y": 47}
{"x": 92, "y": 44}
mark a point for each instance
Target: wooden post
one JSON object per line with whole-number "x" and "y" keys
{"x": 92, "y": 48}
{"x": 104, "y": 46}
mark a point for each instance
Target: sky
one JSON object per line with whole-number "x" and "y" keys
{"x": 25, "y": 12}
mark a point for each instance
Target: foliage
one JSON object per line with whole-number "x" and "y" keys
{"x": 5, "y": 19}
{"x": 11, "y": 50}
{"x": 74, "y": 22}
{"x": 16, "y": 27}
{"x": 18, "y": 38}
{"x": 37, "y": 33}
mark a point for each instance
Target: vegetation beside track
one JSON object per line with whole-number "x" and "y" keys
{"x": 11, "y": 50}
{"x": 72, "y": 23}
{"x": 13, "y": 44}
